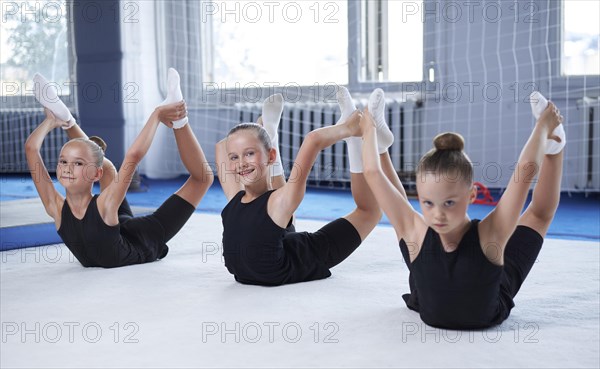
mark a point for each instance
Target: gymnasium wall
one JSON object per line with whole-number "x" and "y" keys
{"x": 487, "y": 58}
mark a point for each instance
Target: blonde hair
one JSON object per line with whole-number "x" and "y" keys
{"x": 447, "y": 158}
{"x": 261, "y": 133}
{"x": 96, "y": 145}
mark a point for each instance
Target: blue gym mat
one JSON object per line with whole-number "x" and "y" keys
{"x": 578, "y": 216}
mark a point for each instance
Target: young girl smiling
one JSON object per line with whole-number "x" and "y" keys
{"x": 259, "y": 243}
{"x": 100, "y": 230}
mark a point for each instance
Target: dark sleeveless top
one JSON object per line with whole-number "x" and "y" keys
{"x": 96, "y": 244}
{"x": 458, "y": 289}
{"x": 258, "y": 251}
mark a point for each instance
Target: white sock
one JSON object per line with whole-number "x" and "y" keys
{"x": 538, "y": 105}
{"x": 174, "y": 95}
{"x": 354, "y": 144}
{"x": 271, "y": 115}
{"x": 385, "y": 138}
{"x": 46, "y": 95}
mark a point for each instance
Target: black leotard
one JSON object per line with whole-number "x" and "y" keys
{"x": 134, "y": 240}
{"x": 462, "y": 289}
{"x": 258, "y": 251}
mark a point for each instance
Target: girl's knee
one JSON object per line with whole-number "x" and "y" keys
{"x": 371, "y": 211}
{"x": 202, "y": 182}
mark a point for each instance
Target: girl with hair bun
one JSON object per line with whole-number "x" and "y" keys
{"x": 100, "y": 230}
{"x": 464, "y": 274}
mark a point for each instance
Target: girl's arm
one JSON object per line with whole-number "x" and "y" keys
{"x": 497, "y": 227}
{"x": 285, "y": 200}
{"x": 229, "y": 184}
{"x": 51, "y": 199}
{"x": 111, "y": 198}
{"x": 407, "y": 222}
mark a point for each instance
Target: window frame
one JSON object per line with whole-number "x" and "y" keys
{"x": 561, "y": 85}
{"x": 320, "y": 92}
{"x": 19, "y": 102}
{"x": 355, "y": 24}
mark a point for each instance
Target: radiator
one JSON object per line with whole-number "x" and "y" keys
{"x": 331, "y": 166}
{"x": 588, "y": 152}
{"x": 16, "y": 125}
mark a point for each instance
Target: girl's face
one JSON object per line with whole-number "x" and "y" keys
{"x": 444, "y": 201}
{"x": 76, "y": 168}
{"x": 248, "y": 158}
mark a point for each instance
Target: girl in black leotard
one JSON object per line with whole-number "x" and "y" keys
{"x": 101, "y": 230}
{"x": 465, "y": 273}
{"x": 259, "y": 244}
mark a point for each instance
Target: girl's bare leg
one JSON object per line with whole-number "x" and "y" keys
{"x": 546, "y": 195}
{"x": 194, "y": 160}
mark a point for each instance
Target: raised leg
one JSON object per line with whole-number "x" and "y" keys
{"x": 353, "y": 144}
{"x": 277, "y": 173}
{"x": 546, "y": 195}
{"x": 194, "y": 160}
{"x": 367, "y": 213}
{"x": 46, "y": 94}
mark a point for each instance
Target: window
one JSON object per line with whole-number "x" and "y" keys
{"x": 33, "y": 38}
{"x": 391, "y": 41}
{"x": 581, "y": 19}
{"x": 261, "y": 44}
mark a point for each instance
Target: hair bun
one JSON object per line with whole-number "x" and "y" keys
{"x": 100, "y": 142}
{"x": 449, "y": 141}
